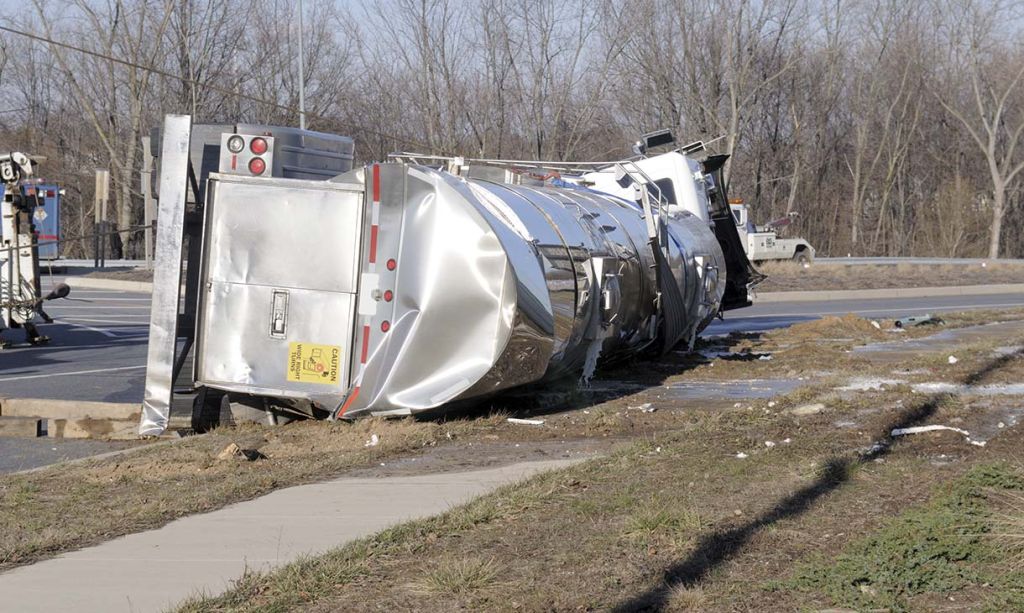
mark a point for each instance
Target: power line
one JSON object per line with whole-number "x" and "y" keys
{"x": 216, "y": 88}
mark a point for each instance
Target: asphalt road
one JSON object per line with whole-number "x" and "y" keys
{"x": 18, "y": 454}
{"x": 98, "y": 347}
{"x": 772, "y": 315}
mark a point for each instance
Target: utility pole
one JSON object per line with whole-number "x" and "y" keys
{"x": 147, "y": 199}
{"x": 102, "y": 193}
{"x": 302, "y": 75}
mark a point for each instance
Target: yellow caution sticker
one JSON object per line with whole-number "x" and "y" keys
{"x": 310, "y": 363}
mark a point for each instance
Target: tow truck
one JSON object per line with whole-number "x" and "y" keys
{"x": 20, "y": 294}
{"x": 762, "y": 243}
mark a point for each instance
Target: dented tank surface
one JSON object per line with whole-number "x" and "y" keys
{"x": 498, "y": 285}
{"x": 398, "y": 289}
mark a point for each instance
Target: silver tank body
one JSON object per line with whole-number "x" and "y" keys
{"x": 497, "y": 285}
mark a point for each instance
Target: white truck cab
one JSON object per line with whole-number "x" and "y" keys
{"x": 763, "y": 243}
{"x": 676, "y": 177}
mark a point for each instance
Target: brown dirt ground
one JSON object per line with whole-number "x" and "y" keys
{"x": 676, "y": 520}
{"x": 668, "y": 480}
{"x": 148, "y": 488}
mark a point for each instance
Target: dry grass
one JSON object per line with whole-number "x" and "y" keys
{"x": 676, "y": 524}
{"x": 455, "y": 577}
{"x": 686, "y": 599}
{"x": 585, "y": 537}
{"x": 1008, "y": 528}
{"x": 789, "y": 276}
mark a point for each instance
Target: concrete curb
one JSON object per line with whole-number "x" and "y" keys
{"x": 114, "y": 284}
{"x": 110, "y": 454}
{"x": 68, "y": 409}
{"x": 899, "y": 292}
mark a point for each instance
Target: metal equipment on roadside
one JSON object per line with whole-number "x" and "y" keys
{"x": 45, "y": 215}
{"x": 20, "y": 295}
{"x": 918, "y": 320}
{"x": 409, "y": 286}
{"x": 763, "y": 243}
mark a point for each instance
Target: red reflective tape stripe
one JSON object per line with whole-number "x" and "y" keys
{"x": 48, "y": 236}
{"x": 234, "y": 162}
{"x": 376, "y": 182}
{"x": 366, "y": 344}
{"x": 373, "y": 244}
{"x": 349, "y": 401}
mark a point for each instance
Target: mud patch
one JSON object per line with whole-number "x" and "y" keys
{"x": 730, "y": 390}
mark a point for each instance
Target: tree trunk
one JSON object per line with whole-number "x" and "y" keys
{"x": 998, "y": 204}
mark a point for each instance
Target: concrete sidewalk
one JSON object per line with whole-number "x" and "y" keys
{"x": 154, "y": 570}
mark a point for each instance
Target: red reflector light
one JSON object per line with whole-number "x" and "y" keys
{"x": 257, "y": 166}
{"x": 385, "y": 326}
{"x": 51, "y": 194}
{"x": 388, "y": 296}
{"x": 258, "y": 146}
{"x": 392, "y": 264}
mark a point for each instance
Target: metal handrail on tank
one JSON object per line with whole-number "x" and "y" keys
{"x": 573, "y": 167}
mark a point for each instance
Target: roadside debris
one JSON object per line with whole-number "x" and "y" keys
{"x": 808, "y": 409}
{"x": 229, "y": 452}
{"x": 525, "y": 422}
{"x": 234, "y": 452}
{"x": 742, "y": 455}
{"x": 953, "y": 360}
{"x": 922, "y": 429}
{"x": 769, "y": 444}
{"x": 373, "y": 442}
{"x": 919, "y": 320}
{"x": 643, "y": 408}
{"x": 865, "y": 384}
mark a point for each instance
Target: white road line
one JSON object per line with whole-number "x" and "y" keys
{"x": 97, "y": 307}
{"x": 85, "y": 327}
{"x": 109, "y": 321}
{"x": 112, "y": 300}
{"x": 66, "y": 374}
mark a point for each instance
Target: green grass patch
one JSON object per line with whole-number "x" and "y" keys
{"x": 939, "y": 548}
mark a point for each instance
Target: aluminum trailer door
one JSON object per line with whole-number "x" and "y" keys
{"x": 279, "y": 283}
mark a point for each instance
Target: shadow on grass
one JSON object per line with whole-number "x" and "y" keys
{"x": 621, "y": 378}
{"x": 718, "y": 547}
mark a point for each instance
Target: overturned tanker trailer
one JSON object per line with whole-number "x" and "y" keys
{"x": 401, "y": 288}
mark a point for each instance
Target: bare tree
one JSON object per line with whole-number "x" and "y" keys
{"x": 986, "y": 100}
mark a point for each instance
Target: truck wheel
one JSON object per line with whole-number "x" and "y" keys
{"x": 802, "y": 258}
